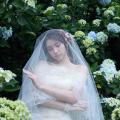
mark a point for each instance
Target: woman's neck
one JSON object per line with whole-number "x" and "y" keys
{"x": 65, "y": 62}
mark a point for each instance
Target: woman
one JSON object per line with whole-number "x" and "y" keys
{"x": 57, "y": 84}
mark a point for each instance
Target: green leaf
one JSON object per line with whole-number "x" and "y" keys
{"x": 18, "y": 3}
{"x": 21, "y": 21}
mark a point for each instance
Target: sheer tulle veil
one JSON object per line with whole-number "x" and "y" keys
{"x": 94, "y": 111}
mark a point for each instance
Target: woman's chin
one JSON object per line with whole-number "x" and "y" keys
{"x": 58, "y": 60}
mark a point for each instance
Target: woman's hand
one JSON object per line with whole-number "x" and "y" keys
{"x": 68, "y": 37}
{"x": 33, "y": 77}
{"x": 80, "y": 106}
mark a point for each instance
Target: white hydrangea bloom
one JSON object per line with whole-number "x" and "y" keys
{"x": 6, "y": 33}
{"x": 113, "y": 27}
{"x": 7, "y": 75}
{"x": 97, "y": 73}
{"x": 49, "y": 10}
{"x": 108, "y": 13}
{"x": 102, "y": 37}
{"x": 96, "y": 22}
{"x": 82, "y": 22}
{"x": 117, "y": 75}
{"x": 109, "y": 69}
{"x": 111, "y": 8}
{"x": 116, "y": 114}
{"x": 113, "y": 102}
{"x": 62, "y": 6}
{"x": 30, "y": 3}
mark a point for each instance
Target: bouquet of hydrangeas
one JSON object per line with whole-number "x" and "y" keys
{"x": 7, "y": 81}
{"x": 13, "y": 110}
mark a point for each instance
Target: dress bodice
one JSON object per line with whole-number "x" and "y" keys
{"x": 58, "y": 76}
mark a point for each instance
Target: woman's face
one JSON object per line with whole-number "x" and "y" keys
{"x": 56, "y": 49}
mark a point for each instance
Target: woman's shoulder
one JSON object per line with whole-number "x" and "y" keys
{"x": 82, "y": 68}
{"x": 42, "y": 62}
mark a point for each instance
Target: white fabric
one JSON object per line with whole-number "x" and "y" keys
{"x": 57, "y": 77}
{"x": 83, "y": 86}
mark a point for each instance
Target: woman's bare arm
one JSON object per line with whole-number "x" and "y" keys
{"x": 54, "y": 104}
{"x": 60, "y": 94}
{"x": 62, "y": 106}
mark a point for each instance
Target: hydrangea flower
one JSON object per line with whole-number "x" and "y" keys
{"x": 108, "y": 13}
{"x": 92, "y": 35}
{"x": 79, "y": 34}
{"x": 13, "y": 110}
{"x": 67, "y": 17}
{"x": 30, "y": 3}
{"x": 102, "y": 37}
{"x": 90, "y": 51}
{"x": 117, "y": 75}
{"x": 6, "y": 75}
{"x": 5, "y": 33}
{"x": 116, "y": 18}
{"x": 49, "y": 10}
{"x": 96, "y": 22}
{"x": 109, "y": 69}
{"x": 116, "y": 114}
{"x": 113, "y": 27}
{"x": 97, "y": 73}
{"x": 87, "y": 42}
{"x": 112, "y": 102}
{"x": 111, "y": 8}
{"x": 62, "y": 6}
{"x": 82, "y": 22}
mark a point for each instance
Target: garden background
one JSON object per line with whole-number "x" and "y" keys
{"x": 95, "y": 25}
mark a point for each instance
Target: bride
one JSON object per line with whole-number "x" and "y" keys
{"x": 57, "y": 83}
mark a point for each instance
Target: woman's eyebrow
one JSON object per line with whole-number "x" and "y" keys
{"x": 49, "y": 46}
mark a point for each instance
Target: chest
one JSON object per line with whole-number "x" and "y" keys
{"x": 58, "y": 77}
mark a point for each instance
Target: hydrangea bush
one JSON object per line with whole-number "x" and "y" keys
{"x": 111, "y": 108}
{"x": 108, "y": 82}
{"x": 95, "y": 25}
{"x": 7, "y": 81}
{"x": 13, "y": 110}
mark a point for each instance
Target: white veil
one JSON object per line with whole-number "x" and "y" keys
{"x": 32, "y": 96}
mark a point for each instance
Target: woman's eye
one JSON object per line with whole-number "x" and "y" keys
{"x": 58, "y": 44}
{"x": 49, "y": 49}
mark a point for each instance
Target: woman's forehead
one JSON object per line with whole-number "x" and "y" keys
{"x": 51, "y": 42}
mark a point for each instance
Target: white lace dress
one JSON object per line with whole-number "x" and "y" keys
{"x": 58, "y": 77}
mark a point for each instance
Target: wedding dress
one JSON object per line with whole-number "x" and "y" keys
{"x": 58, "y": 77}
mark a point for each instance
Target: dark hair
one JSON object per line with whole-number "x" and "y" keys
{"x": 58, "y": 37}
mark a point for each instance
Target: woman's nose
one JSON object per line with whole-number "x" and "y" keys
{"x": 55, "y": 50}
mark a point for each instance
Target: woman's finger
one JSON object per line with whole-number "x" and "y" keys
{"x": 81, "y": 106}
{"x": 27, "y": 72}
{"x": 78, "y": 109}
